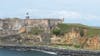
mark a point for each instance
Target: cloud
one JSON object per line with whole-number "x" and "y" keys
{"x": 77, "y": 1}
{"x": 92, "y": 17}
{"x": 41, "y": 13}
{"x": 52, "y": 13}
{"x": 65, "y": 14}
{"x": 74, "y": 15}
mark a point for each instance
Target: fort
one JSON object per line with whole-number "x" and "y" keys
{"x": 11, "y": 29}
{"x": 16, "y": 24}
{"x": 27, "y": 23}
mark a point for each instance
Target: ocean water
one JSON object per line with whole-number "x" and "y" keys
{"x": 9, "y": 52}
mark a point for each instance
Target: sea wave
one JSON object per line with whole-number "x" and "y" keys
{"x": 48, "y": 52}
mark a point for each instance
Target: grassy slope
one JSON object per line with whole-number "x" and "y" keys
{"x": 91, "y": 30}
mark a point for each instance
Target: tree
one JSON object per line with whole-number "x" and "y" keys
{"x": 81, "y": 32}
{"x": 56, "y": 31}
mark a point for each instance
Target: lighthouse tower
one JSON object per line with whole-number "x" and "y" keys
{"x": 27, "y": 15}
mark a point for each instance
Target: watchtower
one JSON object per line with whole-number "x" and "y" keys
{"x": 27, "y": 15}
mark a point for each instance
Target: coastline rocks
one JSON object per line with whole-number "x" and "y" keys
{"x": 59, "y": 52}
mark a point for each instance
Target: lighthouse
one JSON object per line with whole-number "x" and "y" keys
{"x": 27, "y": 15}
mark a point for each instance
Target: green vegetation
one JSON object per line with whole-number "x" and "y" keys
{"x": 36, "y": 31}
{"x": 56, "y": 31}
{"x": 77, "y": 46}
{"x": 64, "y": 28}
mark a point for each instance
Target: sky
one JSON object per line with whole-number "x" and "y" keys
{"x": 73, "y": 11}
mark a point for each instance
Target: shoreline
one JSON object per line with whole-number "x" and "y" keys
{"x": 24, "y": 50}
{"x": 56, "y": 51}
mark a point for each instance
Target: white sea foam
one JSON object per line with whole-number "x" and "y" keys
{"x": 48, "y": 52}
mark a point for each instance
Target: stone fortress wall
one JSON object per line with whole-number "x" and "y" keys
{"x": 16, "y": 24}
